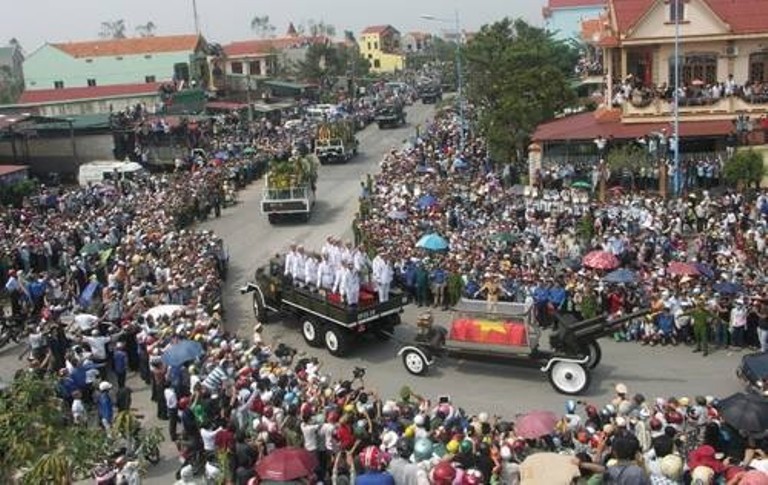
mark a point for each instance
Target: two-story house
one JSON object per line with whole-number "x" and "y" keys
{"x": 563, "y": 17}
{"x": 95, "y": 76}
{"x": 381, "y": 45}
{"x": 723, "y": 72}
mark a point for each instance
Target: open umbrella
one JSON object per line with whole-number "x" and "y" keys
{"x": 704, "y": 270}
{"x": 92, "y": 248}
{"x": 249, "y": 150}
{"x": 285, "y": 464}
{"x": 682, "y": 269}
{"x": 426, "y": 201}
{"x": 460, "y": 163}
{"x": 432, "y": 242}
{"x": 222, "y": 155}
{"x": 581, "y": 184}
{"x": 166, "y": 310}
{"x": 600, "y": 260}
{"x": 506, "y": 237}
{"x": 182, "y": 352}
{"x": 535, "y": 424}
{"x": 728, "y": 288}
{"x": 621, "y": 275}
{"x": 398, "y": 215}
{"x": 745, "y": 412}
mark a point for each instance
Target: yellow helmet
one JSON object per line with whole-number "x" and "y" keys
{"x": 410, "y": 432}
{"x": 349, "y": 408}
{"x": 452, "y": 447}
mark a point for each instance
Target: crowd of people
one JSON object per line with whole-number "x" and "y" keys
{"x": 103, "y": 251}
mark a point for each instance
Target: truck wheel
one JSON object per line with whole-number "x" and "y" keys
{"x": 258, "y": 309}
{"x": 336, "y": 341}
{"x": 415, "y": 363}
{"x": 569, "y": 378}
{"x": 387, "y": 327}
{"x": 311, "y": 332}
{"x": 595, "y": 353}
{"x": 272, "y": 218}
{"x": 305, "y": 217}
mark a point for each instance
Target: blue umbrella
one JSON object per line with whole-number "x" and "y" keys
{"x": 426, "y": 201}
{"x": 621, "y": 275}
{"x": 728, "y": 288}
{"x": 704, "y": 270}
{"x": 432, "y": 242}
{"x": 182, "y": 352}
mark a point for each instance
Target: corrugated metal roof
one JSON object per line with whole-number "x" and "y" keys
{"x": 9, "y": 169}
{"x": 41, "y": 96}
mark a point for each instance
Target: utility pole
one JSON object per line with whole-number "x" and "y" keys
{"x": 196, "y": 17}
{"x": 460, "y": 80}
{"x": 677, "y": 180}
{"x": 248, "y": 97}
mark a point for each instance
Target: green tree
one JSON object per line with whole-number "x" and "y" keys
{"x": 36, "y": 440}
{"x": 320, "y": 29}
{"x": 262, "y": 26}
{"x": 518, "y": 78}
{"x": 114, "y": 29}
{"x": 745, "y": 167}
{"x": 146, "y": 30}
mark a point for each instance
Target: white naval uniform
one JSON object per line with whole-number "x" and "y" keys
{"x": 384, "y": 279}
{"x": 350, "y": 281}
{"x": 290, "y": 262}
{"x": 325, "y": 275}
{"x": 310, "y": 271}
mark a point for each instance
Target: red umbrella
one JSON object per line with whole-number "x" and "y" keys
{"x": 285, "y": 464}
{"x": 535, "y": 424}
{"x": 600, "y": 260}
{"x": 682, "y": 269}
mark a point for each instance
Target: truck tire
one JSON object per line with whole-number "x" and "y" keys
{"x": 336, "y": 340}
{"x": 272, "y": 218}
{"x": 386, "y": 327}
{"x": 306, "y": 216}
{"x": 415, "y": 363}
{"x": 312, "y": 331}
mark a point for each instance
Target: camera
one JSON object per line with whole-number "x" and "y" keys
{"x": 358, "y": 372}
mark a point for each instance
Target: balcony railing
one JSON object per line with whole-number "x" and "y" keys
{"x": 729, "y": 105}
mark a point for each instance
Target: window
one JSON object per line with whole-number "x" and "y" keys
{"x": 148, "y": 56}
{"x": 254, "y": 67}
{"x": 676, "y": 11}
{"x": 369, "y": 46}
{"x": 237, "y": 67}
{"x": 376, "y": 63}
{"x": 695, "y": 67}
{"x": 119, "y": 58}
{"x": 376, "y": 45}
{"x": 149, "y": 79}
{"x": 58, "y": 84}
{"x": 91, "y": 83}
{"x": 88, "y": 61}
{"x": 370, "y": 56}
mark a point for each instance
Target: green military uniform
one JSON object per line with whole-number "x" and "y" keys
{"x": 701, "y": 317}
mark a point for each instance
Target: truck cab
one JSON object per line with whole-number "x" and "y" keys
{"x": 336, "y": 142}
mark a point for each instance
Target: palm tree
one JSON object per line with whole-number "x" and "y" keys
{"x": 113, "y": 29}
{"x": 262, "y": 27}
{"x": 146, "y": 30}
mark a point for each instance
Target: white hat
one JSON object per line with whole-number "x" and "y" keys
{"x": 104, "y": 386}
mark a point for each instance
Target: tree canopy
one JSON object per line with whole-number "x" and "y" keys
{"x": 146, "y": 30}
{"x": 113, "y": 29}
{"x": 329, "y": 61}
{"x": 262, "y": 26}
{"x": 745, "y": 167}
{"x": 517, "y": 76}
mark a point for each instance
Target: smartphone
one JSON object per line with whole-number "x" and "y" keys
{"x": 444, "y": 399}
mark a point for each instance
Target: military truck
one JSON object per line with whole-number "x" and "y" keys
{"x": 390, "y": 115}
{"x": 430, "y": 93}
{"x": 289, "y": 189}
{"x": 335, "y": 141}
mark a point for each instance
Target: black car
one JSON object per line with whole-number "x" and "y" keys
{"x": 753, "y": 370}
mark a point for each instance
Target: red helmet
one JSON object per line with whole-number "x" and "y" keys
{"x": 443, "y": 474}
{"x": 183, "y": 403}
{"x": 674, "y": 417}
{"x": 655, "y": 424}
{"x": 370, "y": 458}
{"x": 333, "y": 417}
{"x": 268, "y": 411}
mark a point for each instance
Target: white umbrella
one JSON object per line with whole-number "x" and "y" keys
{"x": 85, "y": 321}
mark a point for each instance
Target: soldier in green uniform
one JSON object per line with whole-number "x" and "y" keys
{"x": 701, "y": 317}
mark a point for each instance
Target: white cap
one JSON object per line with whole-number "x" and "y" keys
{"x": 105, "y": 386}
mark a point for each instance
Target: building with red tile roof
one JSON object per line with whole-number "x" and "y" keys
{"x": 382, "y": 46}
{"x": 563, "y": 17}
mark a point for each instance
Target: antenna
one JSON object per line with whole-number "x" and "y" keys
{"x": 197, "y": 18}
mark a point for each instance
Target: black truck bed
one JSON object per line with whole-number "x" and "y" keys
{"x": 317, "y": 304}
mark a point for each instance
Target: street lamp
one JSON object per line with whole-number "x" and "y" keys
{"x": 678, "y": 176}
{"x": 459, "y": 75}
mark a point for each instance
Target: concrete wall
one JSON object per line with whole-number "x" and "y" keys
{"x": 55, "y": 154}
{"x": 698, "y": 20}
{"x": 151, "y": 101}
{"x": 565, "y": 23}
{"x": 48, "y": 64}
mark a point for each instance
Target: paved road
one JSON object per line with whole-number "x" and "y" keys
{"x": 504, "y": 390}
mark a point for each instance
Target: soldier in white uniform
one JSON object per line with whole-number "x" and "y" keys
{"x": 299, "y": 263}
{"x": 346, "y": 252}
{"x": 290, "y": 261}
{"x": 361, "y": 263}
{"x": 338, "y": 280}
{"x": 350, "y": 281}
{"x": 325, "y": 274}
{"x": 334, "y": 254}
{"x": 383, "y": 276}
{"x": 310, "y": 270}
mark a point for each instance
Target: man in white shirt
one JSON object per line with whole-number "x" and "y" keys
{"x": 290, "y": 261}
{"x": 339, "y": 280}
{"x": 299, "y": 263}
{"x": 172, "y": 403}
{"x": 351, "y": 283}
{"x": 310, "y": 270}
{"x": 361, "y": 263}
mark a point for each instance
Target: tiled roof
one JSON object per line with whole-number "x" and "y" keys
{"x": 587, "y": 126}
{"x": 378, "y": 29}
{"x": 42, "y": 96}
{"x": 9, "y": 169}
{"x": 265, "y": 46}
{"x": 743, "y": 16}
{"x": 576, "y": 3}
{"x": 131, "y": 46}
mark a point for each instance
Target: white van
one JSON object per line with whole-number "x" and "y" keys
{"x": 96, "y": 172}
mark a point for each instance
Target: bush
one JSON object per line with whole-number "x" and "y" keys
{"x": 744, "y": 167}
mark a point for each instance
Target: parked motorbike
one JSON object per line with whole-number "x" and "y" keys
{"x": 12, "y": 329}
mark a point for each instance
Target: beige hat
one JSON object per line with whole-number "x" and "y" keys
{"x": 672, "y": 467}
{"x": 703, "y": 473}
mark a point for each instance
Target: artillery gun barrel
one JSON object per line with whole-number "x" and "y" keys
{"x": 601, "y": 325}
